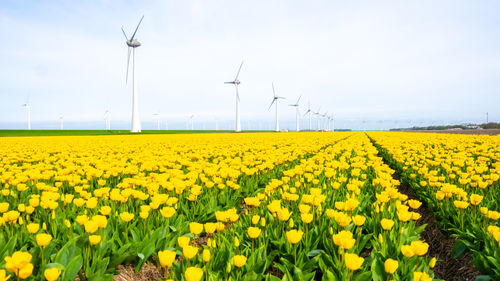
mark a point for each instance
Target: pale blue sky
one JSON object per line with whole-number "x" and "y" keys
{"x": 380, "y": 62}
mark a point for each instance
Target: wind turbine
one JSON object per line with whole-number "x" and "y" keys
{"x": 325, "y": 116}
{"x": 192, "y": 122}
{"x": 106, "y": 119}
{"x": 236, "y": 82}
{"x": 275, "y": 100}
{"x": 133, "y": 43}
{"x": 317, "y": 114}
{"x": 157, "y": 120}
{"x": 331, "y": 126}
{"x": 61, "y": 122}
{"x": 309, "y": 111}
{"x": 296, "y": 105}
{"x": 28, "y": 111}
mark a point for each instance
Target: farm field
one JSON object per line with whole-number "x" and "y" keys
{"x": 259, "y": 206}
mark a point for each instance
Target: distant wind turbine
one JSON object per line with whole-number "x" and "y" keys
{"x": 275, "y": 100}
{"x": 133, "y": 43}
{"x": 157, "y": 120}
{"x": 61, "y": 122}
{"x": 27, "y": 105}
{"x": 309, "y": 111}
{"x": 318, "y": 114}
{"x": 332, "y": 124}
{"x": 236, "y": 82}
{"x": 296, "y": 105}
{"x": 107, "y": 114}
{"x": 325, "y": 122}
{"x": 192, "y": 122}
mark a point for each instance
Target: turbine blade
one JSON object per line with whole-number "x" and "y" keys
{"x": 133, "y": 35}
{"x": 124, "y": 34}
{"x": 229, "y": 82}
{"x": 128, "y": 61}
{"x": 271, "y": 104}
{"x": 274, "y": 94}
{"x": 298, "y": 100}
{"x": 239, "y": 69}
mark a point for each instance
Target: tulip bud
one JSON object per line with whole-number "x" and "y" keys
{"x": 206, "y": 255}
{"x": 432, "y": 263}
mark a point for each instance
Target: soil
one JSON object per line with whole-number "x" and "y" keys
{"x": 147, "y": 272}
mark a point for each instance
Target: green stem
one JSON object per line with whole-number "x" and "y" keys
{"x": 295, "y": 253}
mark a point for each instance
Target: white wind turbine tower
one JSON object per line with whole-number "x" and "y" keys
{"x": 157, "y": 120}
{"x": 275, "y": 100}
{"x": 236, "y": 82}
{"x": 296, "y": 105}
{"x": 107, "y": 114}
{"x": 28, "y": 112}
{"x": 318, "y": 116}
{"x": 332, "y": 126}
{"x": 325, "y": 122}
{"x": 192, "y": 122}
{"x": 61, "y": 122}
{"x": 309, "y": 111}
{"x": 133, "y": 43}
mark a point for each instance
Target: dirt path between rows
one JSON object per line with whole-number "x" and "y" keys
{"x": 440, "y": 245}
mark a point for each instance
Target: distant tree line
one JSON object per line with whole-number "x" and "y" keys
{"x": 490, "y": 125}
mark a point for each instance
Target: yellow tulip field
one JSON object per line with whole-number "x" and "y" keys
{"x": 458, "y": 178}
{"x": 249, "y": 206}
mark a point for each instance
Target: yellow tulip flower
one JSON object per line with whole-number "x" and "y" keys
{"x": 239, "y": 260}
{"x": 166, "y": 258}
{"x": 294, "y": 236}
{"x": 189, "y": 251}
{"x": 353, "y": 261}
{"x": 193, "y": 274}
{"x": 253, "y": 232}
{"x": 391, "y": 265}
{"x": 51, "y": 274}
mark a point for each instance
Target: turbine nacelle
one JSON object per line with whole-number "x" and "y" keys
{"x": 133, "y": 43}
{"x": 297, "y": 103}
{"x": 235, "y": 82}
